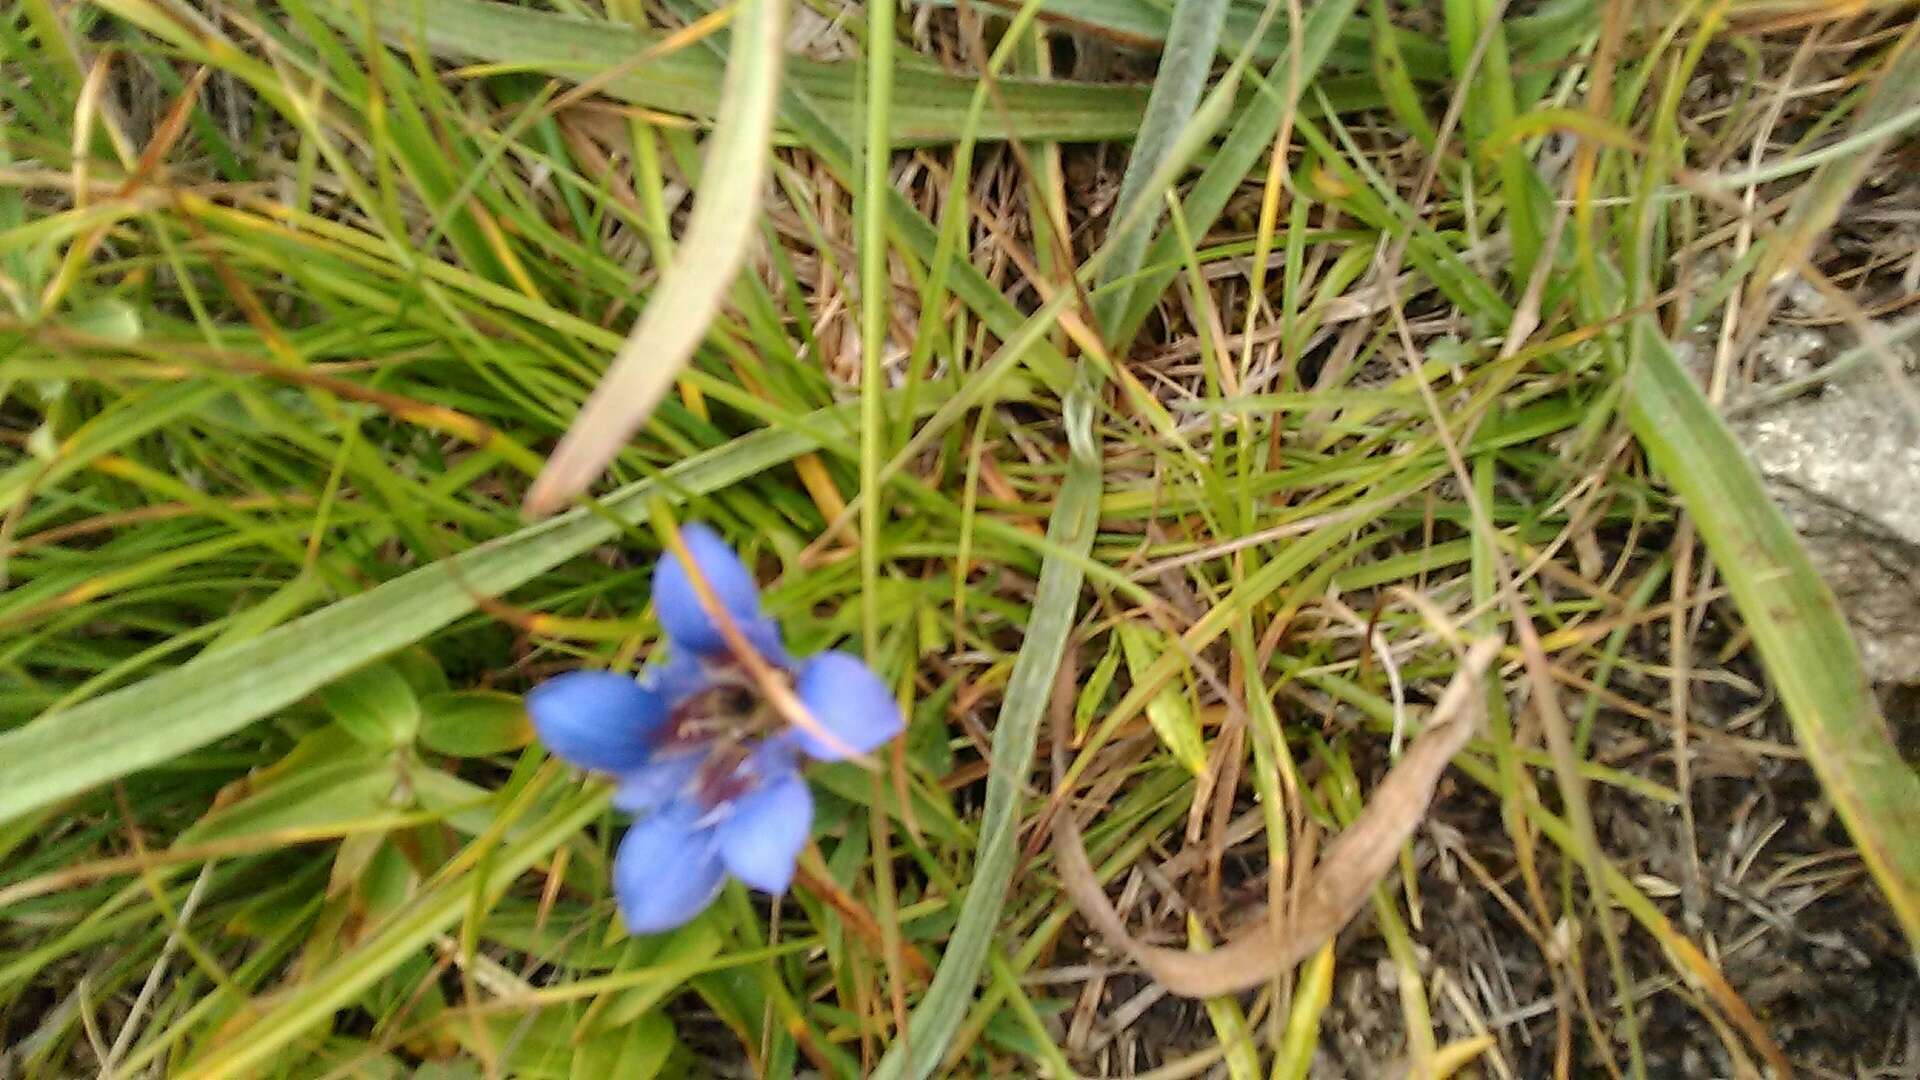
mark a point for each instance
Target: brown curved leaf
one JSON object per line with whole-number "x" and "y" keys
{"x": 1346, "y": 873}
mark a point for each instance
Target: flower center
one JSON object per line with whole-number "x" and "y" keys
{"x": 724, "y": 723}
{"x": 724, "y": 775}
{"x": 731, "y": 707}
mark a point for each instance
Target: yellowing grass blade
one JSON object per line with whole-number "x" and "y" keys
{"x": 1795, "y": 622}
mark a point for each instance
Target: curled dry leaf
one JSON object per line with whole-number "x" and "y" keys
{"x": 1346, "y": 874}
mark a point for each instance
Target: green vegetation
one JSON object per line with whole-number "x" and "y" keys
{"x": 297, "y": 298}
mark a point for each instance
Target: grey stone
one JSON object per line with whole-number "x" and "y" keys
{"x": 1845, "y": 466}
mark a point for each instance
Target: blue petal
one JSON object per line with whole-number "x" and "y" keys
{"x": 657, "y": 783}
{"x": 678, "y": 605}
{"x": 597, "y": 719}
{"x": 776, "y": 754}
{"x": 762, "y": 838}
{"x": 667, "y": 871}
{"x": 850, "y": 702}
{"x": 764, "y": 635}
{"x": 679, "y": 677}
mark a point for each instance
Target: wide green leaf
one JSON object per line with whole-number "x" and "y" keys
{"x": 928, "y": 106}
{"x": 474, "y": 723}
{"x": 375, "y": 705}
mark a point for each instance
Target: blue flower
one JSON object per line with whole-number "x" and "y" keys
{"x": 708, "y": 767}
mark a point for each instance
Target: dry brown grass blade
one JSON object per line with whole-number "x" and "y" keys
{"x": 812, "y": 876}
{"x": 693, "y": 289}
{"x": 1346, "y": 874}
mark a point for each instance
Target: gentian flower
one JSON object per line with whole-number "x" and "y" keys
{"x": 709, "y": 769}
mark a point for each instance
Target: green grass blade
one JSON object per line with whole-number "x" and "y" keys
{"x": 1250, "y": 137}
{"x": 1184, "y": 66}
{"x": 876, "y": 297}
{"x": 1894, "y": 96}
{"x": 1795, "y": 622}
{"x": 1056, "y": 600}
